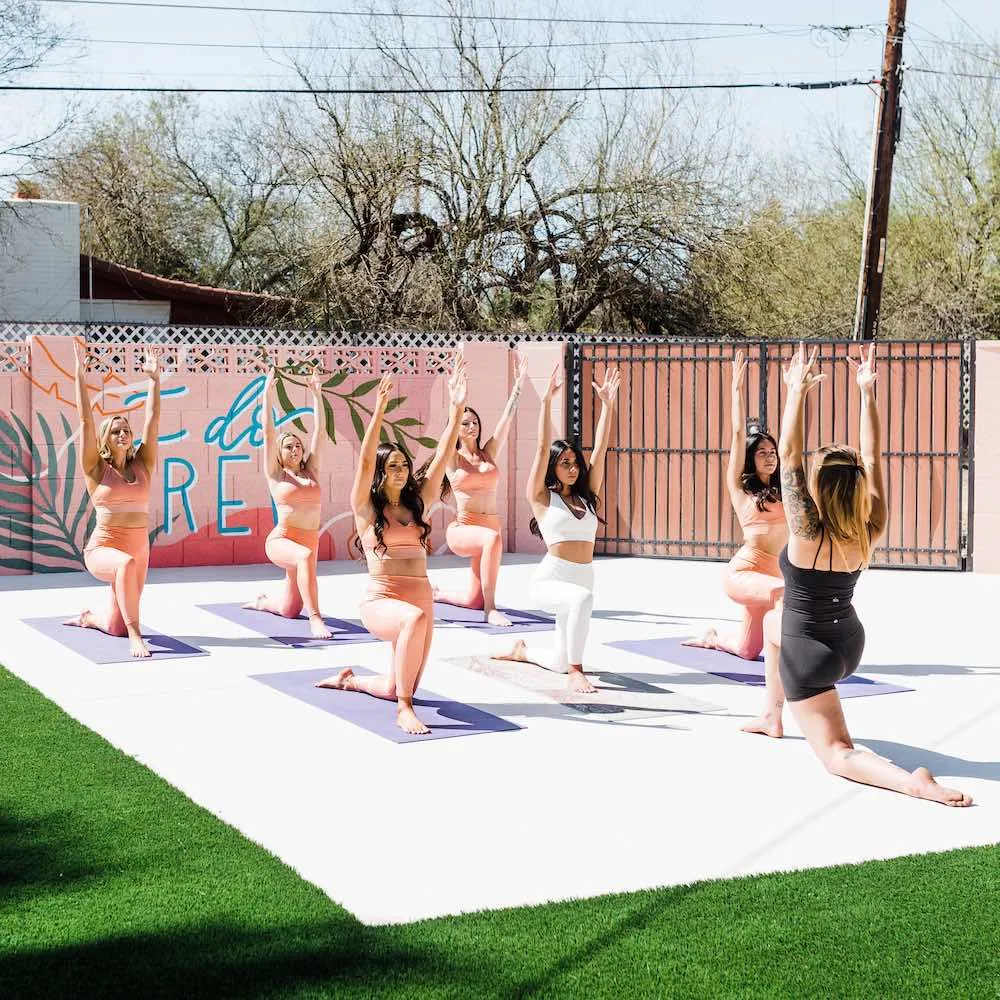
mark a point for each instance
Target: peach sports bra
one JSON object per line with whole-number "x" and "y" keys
{"x": 116, "y": 495}
{"x": 291, "y": 496}
{"x": 402, "y": 541}
{"x": 474, "y": 477}
{"x": 750, "y": 517}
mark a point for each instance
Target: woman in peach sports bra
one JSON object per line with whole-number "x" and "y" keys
{"x": 753, "y": 577}
{"x": 388, "y": 504}
{"x": 293, "y": 479}
{"x": 475, "y": 533}
{"x": 118, "y": 475}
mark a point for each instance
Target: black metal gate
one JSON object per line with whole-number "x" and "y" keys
{"x": 665, "y": 492}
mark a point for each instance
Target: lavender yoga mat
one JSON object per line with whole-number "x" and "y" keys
{"x": 290, "y": 631}
{"x": 99, "y": 647}
{"x": 712, "y": 661}
{"x": 445, "y": 718}
{"x": 523, "y": 621}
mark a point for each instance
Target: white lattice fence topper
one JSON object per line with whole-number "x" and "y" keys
{"x": 13, "y": 357}
{"x": 188, "y": 359}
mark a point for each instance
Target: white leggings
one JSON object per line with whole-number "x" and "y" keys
{"x": 564, "y": 589}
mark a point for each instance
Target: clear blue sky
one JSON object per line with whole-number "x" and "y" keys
{"x": 774, "y": 121}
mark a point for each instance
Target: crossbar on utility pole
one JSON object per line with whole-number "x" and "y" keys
{"x": 887, "y": 112}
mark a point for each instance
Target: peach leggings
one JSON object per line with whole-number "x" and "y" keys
{"x": 476, "y": 537}
{"x": 400, "y": 610}
{"x": 295, "y": 551}
{"x": 119, "y": 556}
{"x": 754, "y": 580}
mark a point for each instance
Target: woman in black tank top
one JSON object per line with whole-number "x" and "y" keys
{"x": 815, "y": 638}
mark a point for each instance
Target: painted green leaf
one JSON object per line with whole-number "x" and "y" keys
{"x": 70, "y": 482}
{"x": 406, "y": 422}
{"x": 29, "y": 441}
{"x": 359, "y": 424}
{"x": 335, "y": 380}
{"x": 427, "y": 442}
{"x": 331, "y": 431}
{"x": 286, "y": 403}
{"x": 16, "y": 499}
{"x": 383, "y": 435}
{"x": 395, "y": 404}
{"x": 16, "y": 564}
{"x": 363, "y": 389}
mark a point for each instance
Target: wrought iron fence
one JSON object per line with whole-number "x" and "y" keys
{"x": 665, "y": 492}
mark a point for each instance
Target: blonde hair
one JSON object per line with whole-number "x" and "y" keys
{"x": 839, "y": 486}
{"x": 104, "y": 432}
{"x": 281, "y": 442}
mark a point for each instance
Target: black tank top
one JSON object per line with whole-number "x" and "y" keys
{"x": 823, "y": 596}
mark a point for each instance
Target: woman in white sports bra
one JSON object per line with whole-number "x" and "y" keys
{"x": 563, "y": 492}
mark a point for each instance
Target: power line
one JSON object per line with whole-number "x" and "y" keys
{"x": 278, "y": 46}
{"x": 950, "y": 72}
{"x": 414, "y": 15}
{"x": 971, "y": 27}
{"x": 413, "y": 91}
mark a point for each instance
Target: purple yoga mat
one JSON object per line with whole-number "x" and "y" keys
{"x": 445, "y": 718}
{"x": 713, "y": 661}
{"x": 523, "y": 621}
{"x": 290, "y": 631}
{"x": 99, "y": 647}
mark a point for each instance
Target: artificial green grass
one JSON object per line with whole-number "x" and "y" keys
{"x": 113, "y": 884}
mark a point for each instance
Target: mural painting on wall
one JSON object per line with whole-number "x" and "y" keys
{"x": 212, "y": 503}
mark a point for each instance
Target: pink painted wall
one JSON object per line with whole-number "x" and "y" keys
{"x": 210, "y": 498}
{"x": 986, "y": 511}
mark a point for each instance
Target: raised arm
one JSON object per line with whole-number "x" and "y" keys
{"x": 871, "y": 440}
{"x": 537, "y": 491}
{"x": 800, "y": 510}
{"x": 496, "y": 443}
{"x": 318, "y": 439}
{"x": 361, "y": 488}
{"x": 151, "y": 427}
{"x": 89, "y": 452}
{"x": 430, "y": 489}
{"x": 738, "y": 415}
{"x": 607, "y": 392}
{"x": 267, "y": 425}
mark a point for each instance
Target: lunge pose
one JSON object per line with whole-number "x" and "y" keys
{"x": 753, "y": 577}
{"x": 835, "y": 521}
{"x": 118, "y": 476}
{"x": 388, "y": 505}
{"x": 564, "y": 493}
{"x": 475, "y": 533}
{"x": 293, "y": 479}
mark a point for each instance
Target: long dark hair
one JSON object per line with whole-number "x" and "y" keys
{"x": 446, "y": 483}
{"x": 409, "y": 498}
{"x": 762, "y": 493}
{"x": 580, "y": 489}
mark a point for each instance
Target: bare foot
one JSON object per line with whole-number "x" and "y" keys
{"x": 84, "y": 620}
{"x": 498, "y": 618}
{"x": 407, "y": 720}
{"x": 706, "y": 640}
{"x": 317, "y": 627}
{"x": 516, "y": 653}
{"x": 344, "y": 681}
{"x": 925, "y": 787}
{"x": 255, "y": 604}
{"x": 768, "y": 724}
{"x": 138, "y": 648}
{"x": 576, "y": 681}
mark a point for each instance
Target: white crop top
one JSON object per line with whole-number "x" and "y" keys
{"x": 559, "y": 524}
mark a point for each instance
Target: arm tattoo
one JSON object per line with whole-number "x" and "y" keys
{"x": 803, "y": 518}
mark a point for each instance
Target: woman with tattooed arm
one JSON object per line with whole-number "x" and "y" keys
{"x": 835, "y": 520}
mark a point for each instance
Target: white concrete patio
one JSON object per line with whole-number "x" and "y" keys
{"x": 567, "y": 807}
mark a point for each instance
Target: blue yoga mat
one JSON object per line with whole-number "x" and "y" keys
{"x": 445, "y": 718}
{"x": 290, "y": 631}
{"x": 732, "y": 668}
{"x": 99, "y": 647}
{"x": 521, "y": 621}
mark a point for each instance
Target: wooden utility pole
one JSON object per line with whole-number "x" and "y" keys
{"x": 873, "y": 245}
